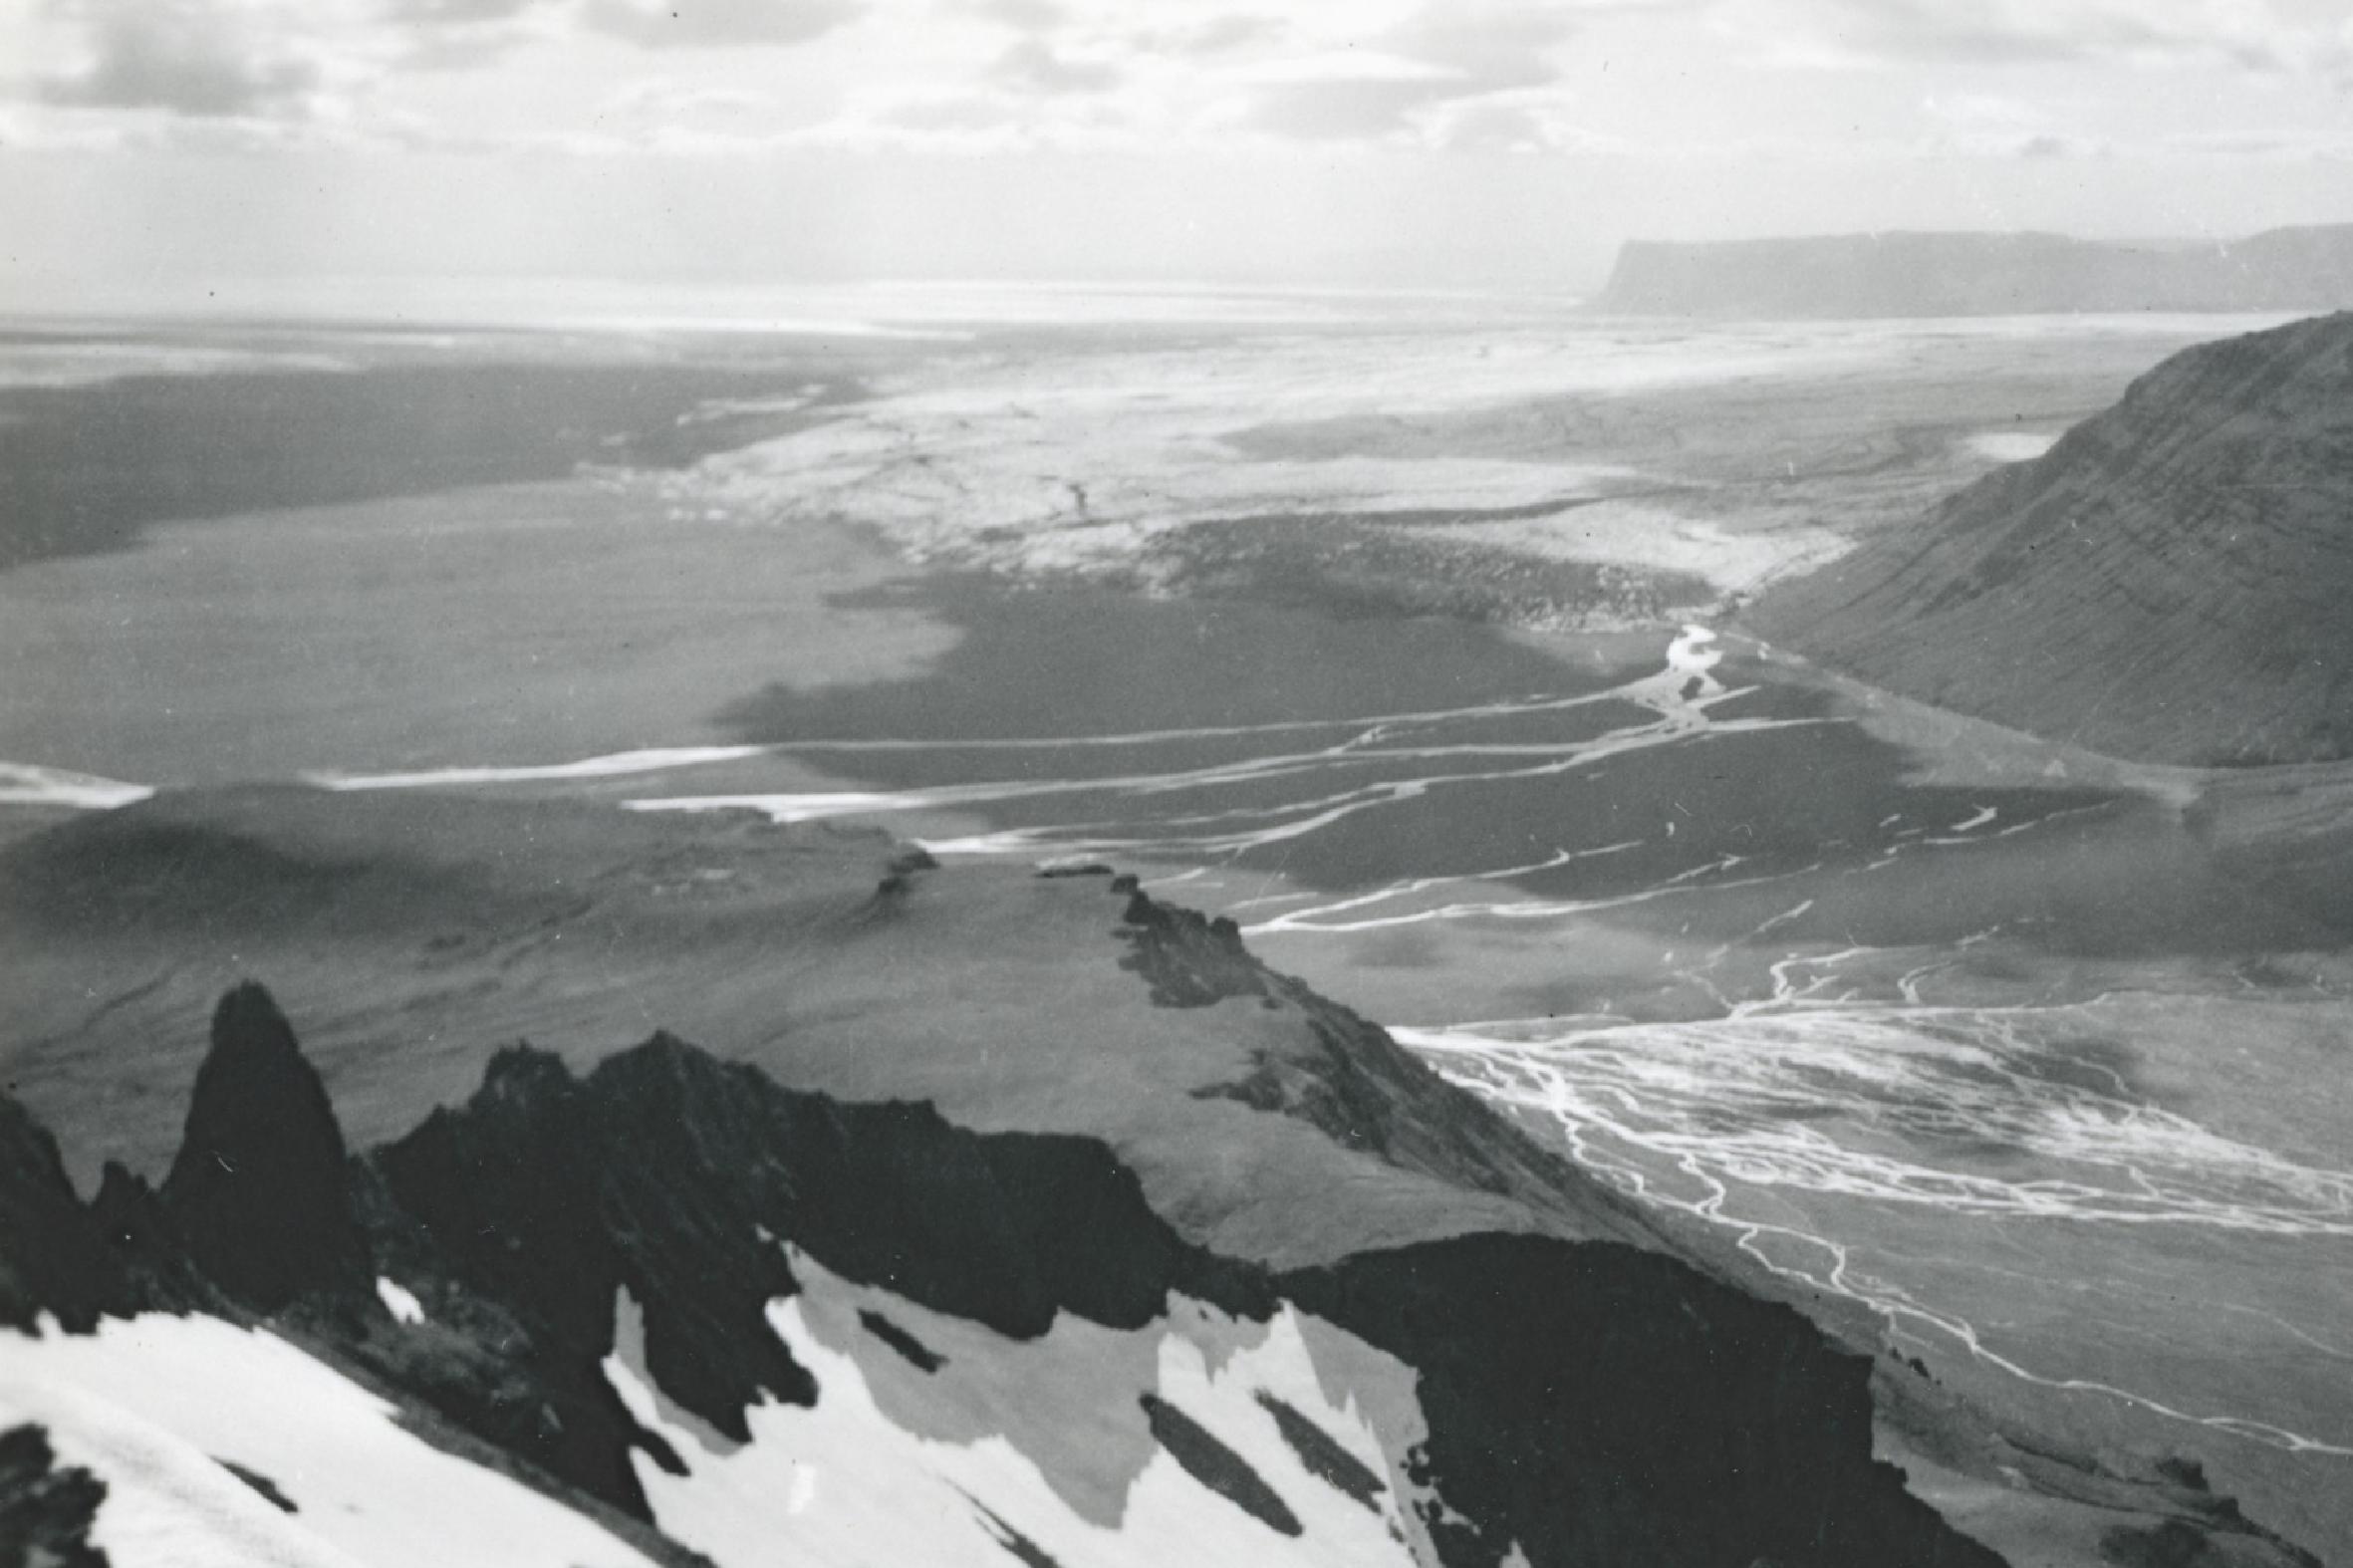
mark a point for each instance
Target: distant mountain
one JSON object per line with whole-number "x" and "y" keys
{"x": 1027, "y": 1221}
{"x": 1969, "y": 274}
{"x": 2168, "y": 582}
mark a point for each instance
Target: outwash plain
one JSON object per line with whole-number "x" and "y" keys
{"x": 469, "y": 686}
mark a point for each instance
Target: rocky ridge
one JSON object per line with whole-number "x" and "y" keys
{"x": 1643, "y": 1415}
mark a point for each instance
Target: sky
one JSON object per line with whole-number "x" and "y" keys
{"x": 178, "y": 151}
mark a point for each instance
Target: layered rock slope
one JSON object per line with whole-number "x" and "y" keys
{"x": 2167, "y": 584}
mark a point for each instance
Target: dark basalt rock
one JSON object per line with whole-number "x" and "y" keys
{"x": 46, "y": 1511}
{"x": 53, "y": 1255}
{"x": 2172, "y": 1544}
{"x": 1019, "y": 1547}
{"x": 899, "y": 878}
{"x": 1217, "y": 1466}
{"x": 257, "y": 1192}
{"x": 504, "y": 1201}
{"x": 673, "y": 1176}
{"x": 159, "y": 1274}
{"x": 1189, "y": 960}
{"x": 912, "y": 1350}
{"x": 1599, "y": 1406}
{"x": 268, "y": 1490}
{"x": 1322, "y": 1455}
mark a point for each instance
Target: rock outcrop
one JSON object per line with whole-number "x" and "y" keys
{"x": 2167, "y": 584}
{"x": 55, "y": 1259}
{"x": 1966, "y": 274}
{"x": 258, "y": 1190}
{"x": 671, "y": 1175}
{"x": 45, "y": 1509}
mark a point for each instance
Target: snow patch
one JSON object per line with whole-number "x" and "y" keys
{"x": 618, "y": 764}
{"x": 400, "y": 1303}
{"x": 846, "y": 1483}
{"x": 154, "y": 1406}
{"x": 22, "y": 784}
{"x": 2011, "y": 446}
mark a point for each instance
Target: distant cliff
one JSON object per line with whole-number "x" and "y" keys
{"x": 2168, "y": 584}
{"x": 1963, "y": 274}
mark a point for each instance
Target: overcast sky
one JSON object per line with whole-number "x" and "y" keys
{"x": 177, "y": 145}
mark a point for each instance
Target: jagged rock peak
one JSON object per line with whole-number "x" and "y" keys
{"x": 51, "y": 1258}
{"x": 1189, "y": 960}
{"x": 259, "y": 1188}
{"x": 523, "y": 1072}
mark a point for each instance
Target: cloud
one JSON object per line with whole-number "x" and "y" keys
{"x": 181, "y": 57}
{"x": 1348, "y": 108}
{"x": 1442, "y": 54}
{"x": 1034, "y": 65}
{"x": 1027, "y": 16}
{"x": 1492, "y": 44}
{"x": 1216, "y": 35}
{"x": 1150, "y": 77}
{"x": 458, "y": 13}
{"x": 1514, "y": 124}
{"x": 2300, "y": 145}
{"x": 664, "y": 99}
{"x": 713, "y": 24}
{"x": 1921, "y": 32}
{"x": 2291, "y": 36}
{"x": 464, "y": 35}
{"x": 2047, "y": 146}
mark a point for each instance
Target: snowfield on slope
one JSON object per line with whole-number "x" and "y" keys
{"x": 1041, "y": 1444}
{"x": 157, "y": 1407}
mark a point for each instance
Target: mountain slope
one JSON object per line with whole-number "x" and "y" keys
{"x": 993, "y": 1214}
{"x": 415, "y": 934}
{"x": 604, "y": 1278}
{"x": 2167, "y": 584}
{"x": 1967, "y": 274}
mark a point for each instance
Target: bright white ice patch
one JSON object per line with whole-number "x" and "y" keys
{"x": 22, "y": 784}
{"x": 618, "y": 764}
{"x": 400, "y": 1303}
{"x": 2011, "y": 446}
{"x": 789, "y": 808}
{"x": 152, "y": 1407}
